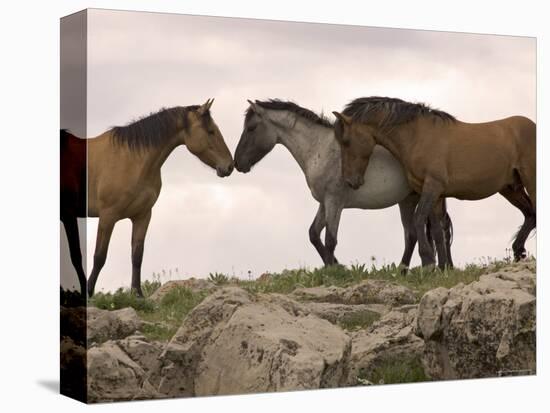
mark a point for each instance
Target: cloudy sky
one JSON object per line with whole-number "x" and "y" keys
{"x": 140, "y": 62}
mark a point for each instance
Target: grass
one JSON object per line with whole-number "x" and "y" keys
{"x": 418, "y": 279}
{"x": 395, "y": 370}
{"x": 162, "y": 318}
{"x": 359, "y": 320}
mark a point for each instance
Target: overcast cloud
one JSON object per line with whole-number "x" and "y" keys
{"x": 140, "y": 62}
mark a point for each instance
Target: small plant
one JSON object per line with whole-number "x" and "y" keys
{"x": 401, "y": 369}
{"x": 121, "y": 298}
{"x": 158, "y": 331}
{"x": 71, "y": 298}
{"x": 359, "y": 320}
{"x": 149, "y": 287}
{"x": 218, "y": 278}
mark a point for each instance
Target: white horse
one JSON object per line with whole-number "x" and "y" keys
{"x": 310, "y": 139}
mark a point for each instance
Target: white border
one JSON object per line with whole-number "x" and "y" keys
{"x": 29, "y": 162}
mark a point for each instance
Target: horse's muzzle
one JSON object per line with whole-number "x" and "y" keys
{"x": 224, "y": 171}
{"x": 240, "y": 168}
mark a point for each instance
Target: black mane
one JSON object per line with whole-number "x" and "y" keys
{"x": 152, "y": 130}
{"x": 277, "y": 104}
{"x": 388, "y": 112}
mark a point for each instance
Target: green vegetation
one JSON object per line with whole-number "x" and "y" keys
{"x": 162, "y": 318}
{"x": 218, "y": 278}
{"x": 395, "y": 370}
{"x": 165, "y": 316}
{"x": 359, "y": 321}
{"x": 418, "y": 279}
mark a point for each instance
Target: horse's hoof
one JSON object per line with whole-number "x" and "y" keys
{"x": 403, "y": 269}
{"x": 429, "y": 267}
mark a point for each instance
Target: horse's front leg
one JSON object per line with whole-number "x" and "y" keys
{"x": 333, "y": 212}
{"x": 71, "y": 229}
{"x": 139, "y": 230}
{"x": 430, "y": 194}
{"x": 104, "y": 231}
{"x": 315, "y": 232}
{"x": 406, "y": 210}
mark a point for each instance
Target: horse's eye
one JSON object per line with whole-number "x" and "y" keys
{"x": 211, "y": 132}
{"x": 251, "y": 128}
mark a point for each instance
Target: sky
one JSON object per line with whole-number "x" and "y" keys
{"x": 140, "y": 62}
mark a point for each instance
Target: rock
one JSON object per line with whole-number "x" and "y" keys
{"x": 379, "y": 292}
{"x": 114, "y": 376}
{"x": 366, "y": 292}
{"x": 329, "y": 294}
{"x": 265, "y": 277}
{"x": 146, "y": 354}
{"x": 106, "y": 325}
{"x": 235, "y": 342}
{"x": 484, "y": 329}
{"x": 73, "y": 369}
{"x": 73, "y": 324}
{"x": 390, "y": 338}
{"x": 196, "y": 285}
{"x": 343, "y": 313}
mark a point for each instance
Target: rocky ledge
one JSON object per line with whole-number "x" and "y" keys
{"x": 238, "y": 342}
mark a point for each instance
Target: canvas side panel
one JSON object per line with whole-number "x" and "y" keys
{"x": 73, "y": 166}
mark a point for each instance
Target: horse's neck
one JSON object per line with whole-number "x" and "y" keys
{"x": 157, "y": 156}
{"x": 398, "y": 141}
{"x": 307, "y": 143}
{"x": 151, "y": 159}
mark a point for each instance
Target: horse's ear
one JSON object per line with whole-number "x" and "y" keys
{"x": 205, "y": 107}
{"x": 255, "y": 107}
{"x": 343, "y": 118}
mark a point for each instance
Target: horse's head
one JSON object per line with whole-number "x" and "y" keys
{"x": 204, "y": 140}
{"x": 258, "y": 138}
{"x": 357, "y": 143}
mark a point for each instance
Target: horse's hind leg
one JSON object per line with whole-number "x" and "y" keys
{"x": 520, "y": 200}
{"x": 315, "y": 232}
{"x": 447, "y": 224}
{"x": 406, "y": 210}
{"x": 104, "y": 231}
{"x": 435, "y": 219}
{"x": 71, "y": 229}
{"x": 139, "y": 230}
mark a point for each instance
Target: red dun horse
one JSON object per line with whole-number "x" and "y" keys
{"x": 443, "y": 157}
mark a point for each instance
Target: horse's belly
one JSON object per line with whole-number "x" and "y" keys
{"x": 485, "y": 185}
{"x": 385, "y": 183}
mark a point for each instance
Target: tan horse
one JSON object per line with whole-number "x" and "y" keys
{"x": 443, "y": 157}
{"x": 124, "y": 175}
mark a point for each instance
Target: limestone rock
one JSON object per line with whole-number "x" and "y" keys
{"x": 235, "y": 342}
{"x": 366, "y": 292}
{"x": 106, "y": 325}
{"x": 114, "y": 376}
{"x": 483, "y": 329}
{"x": 390, "y": 338}
{"x": 193, "y": 284}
